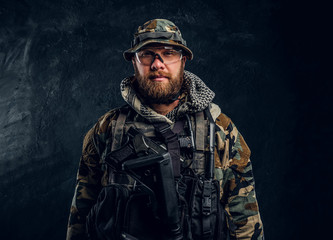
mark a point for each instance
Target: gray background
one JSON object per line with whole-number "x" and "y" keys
{"x": 60, "y": 68}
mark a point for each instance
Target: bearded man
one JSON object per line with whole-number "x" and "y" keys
{"x": 169, "y": 164}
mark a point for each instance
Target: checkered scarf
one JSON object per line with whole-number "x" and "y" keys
{"x": 195, "y": 97}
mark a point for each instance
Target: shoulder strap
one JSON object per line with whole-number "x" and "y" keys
{"x": 200, "y": 131}
{"x": 119, "y": 128}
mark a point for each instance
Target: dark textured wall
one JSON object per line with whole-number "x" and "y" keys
{"x": 60, "y": 68}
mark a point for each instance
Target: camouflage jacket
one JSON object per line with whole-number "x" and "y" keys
{"x": 232, "y": 168}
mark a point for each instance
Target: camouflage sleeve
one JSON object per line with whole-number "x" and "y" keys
{"x": 90, "y": 176}
{"x": 87, "y": 188}
{"x": 234, "y": 170}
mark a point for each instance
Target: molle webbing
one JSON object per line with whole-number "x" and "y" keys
{"x": 124, "y": 121}
{"x": 202, "y": 122}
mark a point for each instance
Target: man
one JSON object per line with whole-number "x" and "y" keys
{"x": 162, "y": 93}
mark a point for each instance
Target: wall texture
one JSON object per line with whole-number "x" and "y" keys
{"x": 60, "y": 68}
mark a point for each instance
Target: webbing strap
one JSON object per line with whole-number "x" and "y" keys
{"x": 178, "y": 126}
{"x": 206, "y": 209}
{"x": 200, "y": 131}
{"x": 171, "y": 140}
{"x": 200, "y": 142}
{"x": 119, "y": 129}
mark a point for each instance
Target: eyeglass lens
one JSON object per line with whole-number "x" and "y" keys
{"x": 167, "y": 56}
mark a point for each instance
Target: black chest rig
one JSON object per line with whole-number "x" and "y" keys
{"x": 160, "y": 181}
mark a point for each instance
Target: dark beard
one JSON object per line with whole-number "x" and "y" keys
{"x": 157, "y": 92}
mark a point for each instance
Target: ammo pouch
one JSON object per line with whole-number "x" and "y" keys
{"x": 119, "y": 211}
{"x": 203, "y": 214}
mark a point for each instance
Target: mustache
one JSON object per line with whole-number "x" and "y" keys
{"x": 159, "y": 74}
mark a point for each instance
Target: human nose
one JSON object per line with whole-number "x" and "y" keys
{"x": 157, "y": 63}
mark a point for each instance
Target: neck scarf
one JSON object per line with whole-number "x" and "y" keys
{"x": 195, "y": 97}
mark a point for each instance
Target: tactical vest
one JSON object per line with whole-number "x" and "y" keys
{"x": 123, "y": 212}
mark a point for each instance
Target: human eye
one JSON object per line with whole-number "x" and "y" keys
{"x": 146, "y": 53}
{"x": 169, "y": 53}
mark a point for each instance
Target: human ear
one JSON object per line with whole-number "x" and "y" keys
{"x": 184, "y": 60}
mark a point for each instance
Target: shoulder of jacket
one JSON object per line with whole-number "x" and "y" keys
{"x": 223, "y": 121}
{"x": 104, "y": 123}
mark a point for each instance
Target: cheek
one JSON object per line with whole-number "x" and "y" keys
{"x": 141, "y": 69}
{"x": 144, "y": 70}
{"x": 176, "y": 70}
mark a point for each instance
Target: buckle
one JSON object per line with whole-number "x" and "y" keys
{"x": 185, "y": 142}
{"x": 206, "y": 205}
{"x": 207, "y": 198}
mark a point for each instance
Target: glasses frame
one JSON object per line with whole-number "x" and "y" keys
{"x": 158, "y": 55}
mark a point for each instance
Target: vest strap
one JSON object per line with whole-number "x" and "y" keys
{"x": 119, "y": 129}
{"x": 171, "y": 140}
{"x": 200, "y": 131}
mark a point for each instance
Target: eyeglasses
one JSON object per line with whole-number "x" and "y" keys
{"x": 167, "y": 55}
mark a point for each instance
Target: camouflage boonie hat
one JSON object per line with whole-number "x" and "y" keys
{"x": 157, "y": 31}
